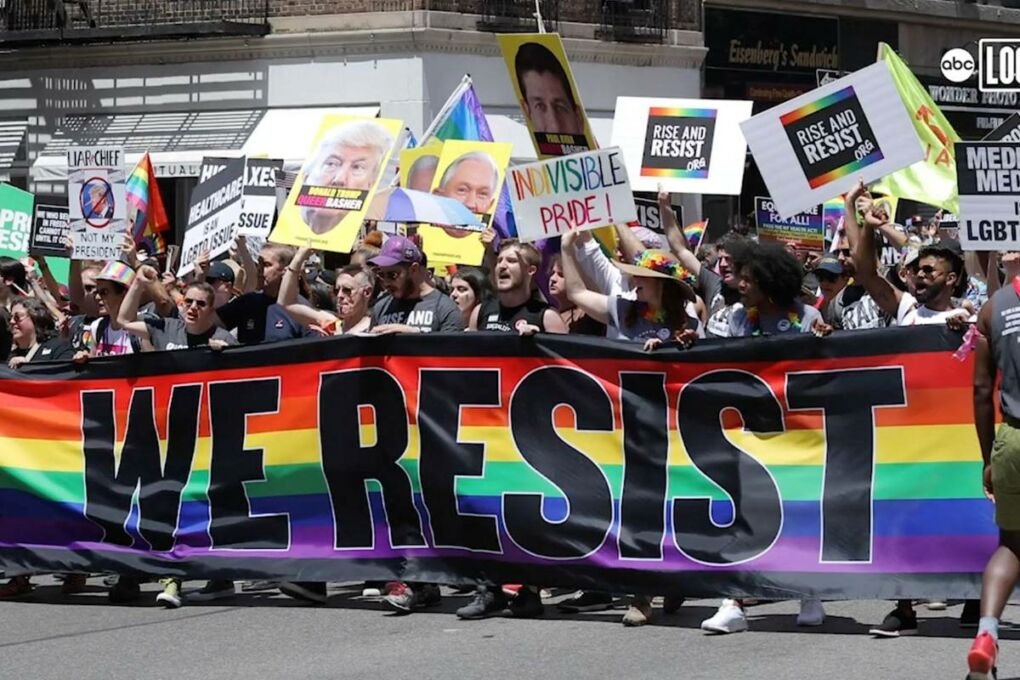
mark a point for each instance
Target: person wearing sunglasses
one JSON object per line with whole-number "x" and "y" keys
{"x": 196, "y": 327}
{"x": 354, "y": 288}
{"x": 35, "y": 334}
{"x": 412, "y": 304}
{"x": 832, "y": 282}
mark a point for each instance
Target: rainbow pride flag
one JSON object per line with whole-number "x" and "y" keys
{"x": 695, "y": 233}
{"x": 846, "y": 467}
{"x": 146, "y": 215}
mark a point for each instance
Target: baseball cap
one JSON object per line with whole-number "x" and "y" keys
{"x": 397, "y": 250}
{"x": 118, "y": 272}
{"x": 829, "y": 264}
{"x": 220, "y": 271}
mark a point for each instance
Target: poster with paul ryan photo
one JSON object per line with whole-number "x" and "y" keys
{"x": 816, "y": 146}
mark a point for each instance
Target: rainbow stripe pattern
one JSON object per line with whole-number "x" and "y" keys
{"x": 695, "y": 232}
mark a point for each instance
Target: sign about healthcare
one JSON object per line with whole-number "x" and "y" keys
{"x": 1009, "y": 131}
{"x": 259, "y": 205}
{"x": 816, "y": 146}
{"x": 688, "y": 145}
{"x": 215, "y": 209}
{"x": 335, "y": 187}
{"x": 988, "y": 175}
{"x": 95, "y": 197}
{"x": 52, "y": 223}
{"x": 804, "y": 231}
{"x": 547, "y": 93}
{"x": 579, "y": 192}
{"x": 15, "y": 218}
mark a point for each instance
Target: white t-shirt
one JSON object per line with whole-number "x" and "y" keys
{"x": 113, "y": 342}
{"x": 909, "y": 313}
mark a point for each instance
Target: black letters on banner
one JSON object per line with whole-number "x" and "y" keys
{"x": 757, "y": 506}
{"x": 109, "y": 488}
{"x": 645, "y": 449}
{"x": 443, "y": 458}
{"x": 231, "y": 524}
{"x": 848, "y": 399}
{"x": 589, "y": 502}
{"x": 348, "y": 464}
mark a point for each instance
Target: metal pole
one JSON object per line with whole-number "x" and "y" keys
{"x": 538, "y": 16}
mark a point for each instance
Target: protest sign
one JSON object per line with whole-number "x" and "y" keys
{"x": 51, "y": 228}
{"x": 549, "y": 98}
{"x": 215, "y": 208}
{"x": 819, "y": 144}
{"x": 418, "y": 166}
{"x": 804, "y": 230}
{"x": 650, "y": 217}
{"x": 1009, "y": 131}
{"x": 583, "y": 191}
{"x": 15, "y": 219}
{"x": 471, "y": 173}
{"x": 988, "y": 176}
{"x": 259, "y": 204}
{"x": 95, "y": 197}
{"x": 831, "y": 486}
{"x": 335, "y": 187}
{"x": 691, "y": 146}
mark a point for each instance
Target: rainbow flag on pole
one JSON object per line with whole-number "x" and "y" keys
{"x": 146, "y": 214}
{"x": 695, "y": 233}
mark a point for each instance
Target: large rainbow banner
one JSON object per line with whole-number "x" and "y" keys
{"x": 843, "y": 467}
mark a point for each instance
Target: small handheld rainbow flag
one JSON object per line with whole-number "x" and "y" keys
{"x": 695, "y": 232}
{"x": 146, "y": 213}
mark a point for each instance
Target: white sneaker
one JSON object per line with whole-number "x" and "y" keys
{"x": 811, "y": 613}
{"x": 729, "y": 619}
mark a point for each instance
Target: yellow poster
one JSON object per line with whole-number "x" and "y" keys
{"x": 332, "y": 192}
{"x": 547, "y": 93}
{"x": 471, "y": 173}
{"x": 418, "y": 166}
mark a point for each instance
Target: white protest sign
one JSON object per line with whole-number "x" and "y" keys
{"x": 578, "y": 192}
{"x": 988, "y": 177}
{"x": 212, "y": 218}
{"x": 691, "y": 146}
{"x": 259, "y": 205}
{"x": 95, "y": 197}
{"x": 816, "y": 146}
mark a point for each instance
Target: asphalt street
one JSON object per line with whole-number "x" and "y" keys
{"x": 268, "y": 635}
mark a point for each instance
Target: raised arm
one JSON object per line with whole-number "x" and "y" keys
{"x": 885, "y": 295}
{"x": 251, "y": 273}
{"x": 851, "y": 226}
{"x": 595, "y": 305}
{"x": 984, "y": 392}
{"x": 675, "y": 235}
{"x": 127, "y": 315}
{"x": 288, "y": 295}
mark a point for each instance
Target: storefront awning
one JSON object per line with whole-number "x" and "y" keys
{"x": 177, "y": 142}
{"x": 507, "y": 129}
{"x": 12, "y": 135}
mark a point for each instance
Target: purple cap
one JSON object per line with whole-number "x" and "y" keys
{"x": 397, "y": 250}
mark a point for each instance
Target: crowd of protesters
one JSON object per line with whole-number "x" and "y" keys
{"x": 658, "y": 292}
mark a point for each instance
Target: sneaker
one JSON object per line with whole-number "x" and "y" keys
{"x": 259, "y": 586}
{"x": 404, "y": 599}
{"x": 511, "y": 590}
{"x": 639, "y": 612}
{"x": 16, "y": 587}
{"x": 895, "y": 624}
{"x": 213, "y": 590}
{"x": 527, "y": 604}
{"x": 73, "y": 584}
{"x": 812, "y": 613}
{"x": 309, "y": 591}
{"x": 171, "y": 595}
{"x": 374, "y": 589}
{"x": 110, "y": 580}
{"x": 982, "y": 658}
{"x": 485, "y": 603}
{"x": 729, "y": 619}
{"x": 587, "y": 601}
{"x": 671, "y": 604}
{"x": 127, "y": 589}
{"x": 936, "y": 605}
{"x": 971, "y": 614}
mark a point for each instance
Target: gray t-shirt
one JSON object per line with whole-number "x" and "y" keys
{"x": 772, "y": 324}
{"x": 432, "y": 313}
{"x": 170, "y": 334}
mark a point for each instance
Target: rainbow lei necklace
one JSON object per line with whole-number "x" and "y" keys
{"x": 754, "y": 318}
{"x": 647, "y": 314}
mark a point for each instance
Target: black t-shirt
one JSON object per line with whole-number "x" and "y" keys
{"x": 54, "y": 349}
{"x": 258, "y": 319}
{"x": 432, "y": 313}
{"x": 493, "y": 316}
{"x": 5, "y": 334}
{"x": 170, "y": 334}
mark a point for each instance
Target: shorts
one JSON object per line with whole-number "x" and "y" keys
{"x": 1006, "y": 477}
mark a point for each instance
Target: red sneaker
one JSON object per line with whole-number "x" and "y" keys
{"x": 511, "y": 590}
{"x": 982, "y": 658}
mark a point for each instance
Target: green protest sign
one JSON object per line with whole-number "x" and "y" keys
{"x": 16, "y": 213}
